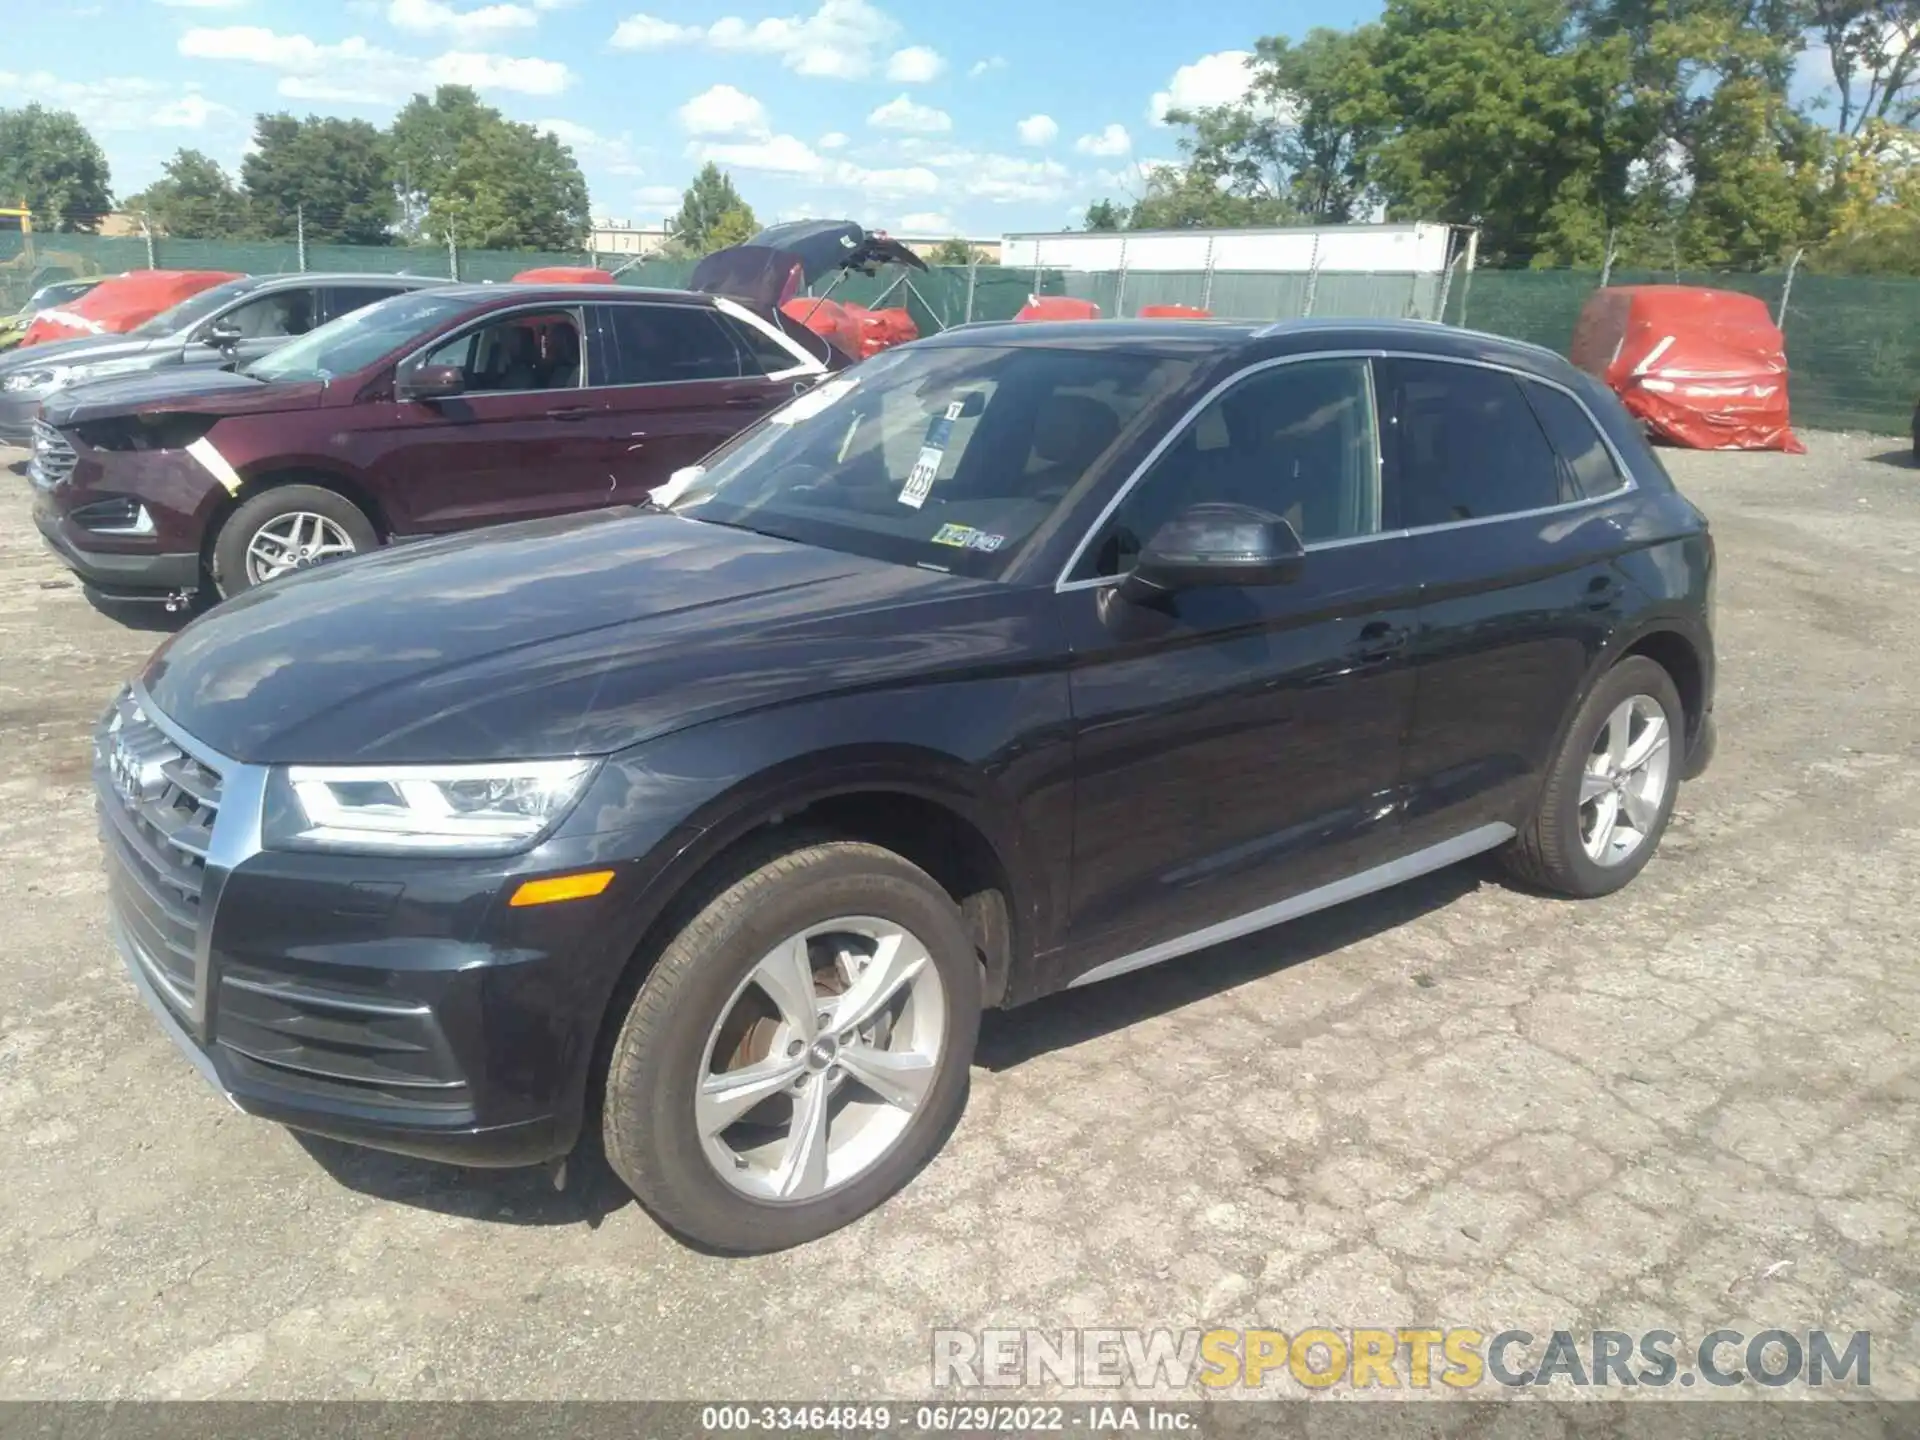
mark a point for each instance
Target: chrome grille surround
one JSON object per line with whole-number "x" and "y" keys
{"x": 53, "y": 457}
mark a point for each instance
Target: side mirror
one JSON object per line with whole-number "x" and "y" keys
{"x": 221, "y": 334}
{"x": 1216, "y": 544}
{"x": 429, "y": 382}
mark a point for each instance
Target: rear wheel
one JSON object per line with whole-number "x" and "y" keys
{"x": 287, "y": 528}
{"x": 799, "y": 1051}
{"x": 1612, "y": 787}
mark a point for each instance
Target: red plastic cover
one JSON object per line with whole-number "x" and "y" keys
{"x": 1057, "y": 307}
{"x": 1706, "y": 369}
{"x": 565, "y": 275}
{"x": 1174, "y": 312}
{"x": 854, "y": 330}
{"x": 115, "y": 306}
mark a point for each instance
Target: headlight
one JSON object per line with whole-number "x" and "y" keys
{"x": 34, "y": 379}
{"x": 423, "y": 809}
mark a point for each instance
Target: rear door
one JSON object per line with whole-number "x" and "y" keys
{"x": 675, "y": 382}
{"x": 338, "y": 300}
{"x": 1514, "y": 543}
{"x": 516, "y": 445}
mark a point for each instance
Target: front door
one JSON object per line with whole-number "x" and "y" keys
{"x": 520, "y": 442}
{"x": 1239, "y": 746}
{"x": 1502, "y": 479}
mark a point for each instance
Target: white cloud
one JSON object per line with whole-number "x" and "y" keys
{"x": 472, "y": 27}
{"x": 203, "y": 4}
{"x": 1218, "y": 79}
{"x": 657, "y": 196}
{"x": 789, "y": 155}
{"x": 499, "y": 72}
{"x": 648, "y": 32}
{"x": 352, "y": 71}
{"x": 901, "y": 113}
{"x": 189, "y": 112}
{"x": 1111, "y": 141}
{"x": 775, "y": 155}
{"x": 117, "y": 102}
{"x": 982, "y": 67}
{"x": 915, "y": 65}
{"x": 1038, "y": 130}
{"x": 926, "y": 222}
{"x": 612, "y": 153}
{"x": 842, "y": 40}
{"x": 833, "y": 140}
{"x": 985, "y": 175}
{"x": 723, "y": 110}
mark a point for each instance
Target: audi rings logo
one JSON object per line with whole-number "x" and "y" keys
{"x": 123, "y": 769}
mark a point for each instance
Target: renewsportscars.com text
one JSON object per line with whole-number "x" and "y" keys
{"x": 1411, "y": 1358}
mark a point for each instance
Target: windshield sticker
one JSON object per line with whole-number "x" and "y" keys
{"x": 941, "y": 430}
{"x": 805, "y": 407}
{"x": 965, "y": 537}
{"x": 920, "y": 479}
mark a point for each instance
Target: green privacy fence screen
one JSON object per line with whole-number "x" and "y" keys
{"x": 1854, "y": 342}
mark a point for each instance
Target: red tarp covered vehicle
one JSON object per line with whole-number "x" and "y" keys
{"x": 115, "y": 306}
{"x": 1174, "y": 312}
{"x": 852, "y": 329}
{"x": 565, "y": 275}
{"x": 1706, "y": 369}
{"x": 1057, "y": 307}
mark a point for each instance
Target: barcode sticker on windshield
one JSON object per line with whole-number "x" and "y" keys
{"x": 920, "y": 479}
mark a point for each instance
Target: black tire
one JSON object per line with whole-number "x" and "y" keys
{"x": 1548, "y": 852}
{"x": 651, "y": 1138}
{"x": 230, "y": 546}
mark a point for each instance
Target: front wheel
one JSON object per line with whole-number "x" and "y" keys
{"x": 284, "y": 529}
{"x": 1611, "y": 790}
{"x": 798, "y": 1052}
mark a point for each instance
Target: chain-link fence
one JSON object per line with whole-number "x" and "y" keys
{"x": 1853, "y": 342}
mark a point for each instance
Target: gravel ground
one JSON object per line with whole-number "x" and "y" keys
{"x": 1691, "y": 1105}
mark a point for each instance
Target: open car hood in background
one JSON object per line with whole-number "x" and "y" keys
{"x": 771, "y": 268}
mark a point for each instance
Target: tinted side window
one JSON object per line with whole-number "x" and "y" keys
{"x": 1465, "y": 443}
{"x": 529, "y": 350}
{"x": 344, "y": 299}
{"x": 1587, "y": 467}
{"x": 658, "y": 344}
{"x": 765, "y": 355}
{"x": 271, "y": 317}
{"x": 1295, "y": 440}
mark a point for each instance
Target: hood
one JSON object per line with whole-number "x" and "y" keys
{"x": 82, "y": 350}
{"x": 201, "y": 390}
{"x": 577, "y": 635}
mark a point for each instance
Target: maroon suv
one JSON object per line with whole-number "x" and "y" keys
{"x": 435, "y": 411}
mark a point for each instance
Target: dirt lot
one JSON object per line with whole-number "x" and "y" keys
{"x": 1695, "y": 1104}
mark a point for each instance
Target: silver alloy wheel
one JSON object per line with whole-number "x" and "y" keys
{"x": 1625, "y": 780}
{"x": 820, "y": 1059}
{"x": 292, "y": 542}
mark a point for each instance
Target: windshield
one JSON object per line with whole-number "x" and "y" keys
{"x": 195, "y": 308}
{"x": 948, "y": 457}
{"x": 359, "y": 338}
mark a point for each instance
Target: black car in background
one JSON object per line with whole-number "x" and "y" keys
{"x": 226, "y": 325}
{"x": 1012, "y": 660}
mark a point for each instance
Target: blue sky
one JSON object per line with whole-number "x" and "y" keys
{"x": 975, "y": 118}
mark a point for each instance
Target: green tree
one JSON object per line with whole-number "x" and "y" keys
{"x": 1105, "y": 215}
{"x": 426, "y": 139}
{"x": 954, "y": 251}
{"x": 511, "y": 187}
{"x": 194, "y": 199}
{"x": 1873, "y": 50}
{"x": 333, "y": 174}
{"x": 711, "y": 215}
{"x": 50, "y": 163}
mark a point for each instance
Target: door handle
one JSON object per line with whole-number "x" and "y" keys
{"x": 1380, "y": 641}
{"x": 569, "y": 412}
{"x": 1604, "y": 592}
